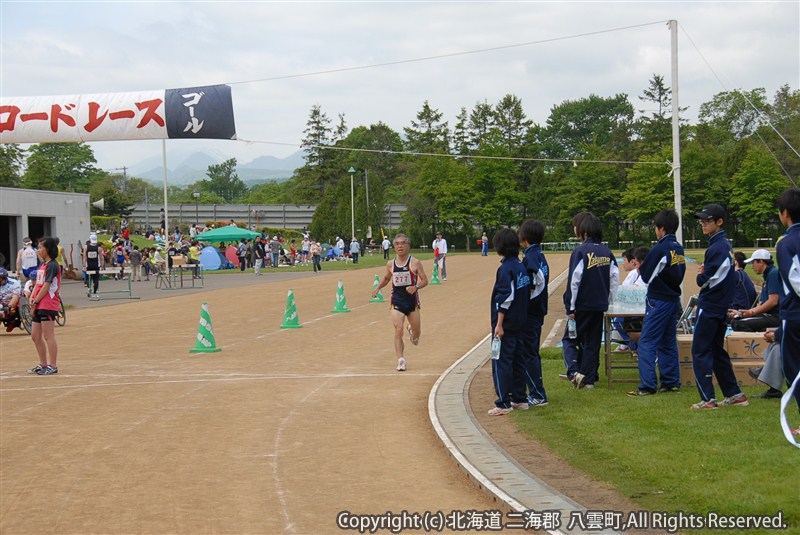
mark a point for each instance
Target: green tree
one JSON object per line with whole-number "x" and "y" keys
{"x": 460, "y": 138}
{"x": 755, "y": 187}
{"x": 650, "y": 189}
{"x": 731, "y": 116}
{"x": 428, "y": 133}
{"x": 481, "y": 123}
{"x": 373, "y": 171}
{"x": 591, "y": 121}
{"x": 61, "y": 167}
{"x": 11, "y": 160}
{"x": 591, "y": 187}
{"x": 224, "y": 181}
{"x": 703, "y": 181}
{"x": 310, "y": 181}
{"x": 655, "y": 124}
{"x": 115, "y": 201}
{"x": 136, "y": 188}
{"x": 784, "y": 140}
{"x": 271, "y": 192}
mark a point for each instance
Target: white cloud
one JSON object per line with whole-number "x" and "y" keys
{"x": 79, "y": 47}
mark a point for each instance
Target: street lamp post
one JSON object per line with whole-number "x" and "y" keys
{"x": 196, "y": 196}
{"x": 352, "y": 172}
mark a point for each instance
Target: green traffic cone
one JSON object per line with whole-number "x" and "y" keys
{"x": 205, "y": 334}
{"x": 341, "y": 302}
{"x": 435, "y": 278}
{"x": 290, "y": 317}
{"x": 379, "y": 297}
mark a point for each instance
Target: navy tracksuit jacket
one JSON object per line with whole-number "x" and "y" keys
{"x": 788, "y": 255}
{"x": 717, "y": 284}
{"x": 663, "y": 270}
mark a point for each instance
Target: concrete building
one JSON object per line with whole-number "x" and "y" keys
{"x": 34, "y": 213}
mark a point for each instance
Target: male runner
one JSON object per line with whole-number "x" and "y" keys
{"x": 407, "y": 277}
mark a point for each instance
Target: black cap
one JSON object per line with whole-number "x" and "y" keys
{"x": 711, "y": 211}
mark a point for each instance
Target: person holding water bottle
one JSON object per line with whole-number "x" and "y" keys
{"x": 592, "y": 282}
{"x": 509, "y": 308}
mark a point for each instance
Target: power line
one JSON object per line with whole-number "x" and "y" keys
{"x": 443, "y": 56}
{"x": 570, "y": 161}
{"x": 761, "y": 115}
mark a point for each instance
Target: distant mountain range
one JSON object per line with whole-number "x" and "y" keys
{"x": 193, "y": 166}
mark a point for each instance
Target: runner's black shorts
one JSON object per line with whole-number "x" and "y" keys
{"x": 405, "y": 308}
{"x": 44, "y": 315}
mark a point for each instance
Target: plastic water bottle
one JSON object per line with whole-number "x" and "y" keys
{"x": 495, "y": 348}
{"x": 572, "y": 329}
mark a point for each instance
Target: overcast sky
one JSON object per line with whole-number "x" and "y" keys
{"x": 55, "y": 48}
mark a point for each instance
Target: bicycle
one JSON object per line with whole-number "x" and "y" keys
{"x": 26, "y": 318}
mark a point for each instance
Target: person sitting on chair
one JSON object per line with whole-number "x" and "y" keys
{"x": 771, "y": 373}
{"x": 767, "y": 313}
{"x": 630, "y": 264}
{"x": 9, "y": 300}
{"x": 745, "y": 294}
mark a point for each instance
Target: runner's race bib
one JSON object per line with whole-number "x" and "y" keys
{"x": 402, "y": 278}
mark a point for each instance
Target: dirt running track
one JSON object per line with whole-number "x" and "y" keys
{"x": 277, "y": 433}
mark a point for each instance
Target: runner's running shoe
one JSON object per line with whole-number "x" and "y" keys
{"x": 705, "y": 405}
{"x": 47, "y": 370}
{"x": 737, "y": 400}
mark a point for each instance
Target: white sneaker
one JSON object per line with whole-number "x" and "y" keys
{"x": 519, "y": 406}
{"x": 497, "y": 411}
{"x": 401, "y": 364}
{"x": 577, "y": 380}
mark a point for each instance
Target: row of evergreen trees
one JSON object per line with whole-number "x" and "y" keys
{"x": 494, "y": 167}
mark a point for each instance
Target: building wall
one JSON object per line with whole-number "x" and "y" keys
{"x": 25, "y": 212}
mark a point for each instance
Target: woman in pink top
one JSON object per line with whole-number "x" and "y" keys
{"x": 45, "y": 303}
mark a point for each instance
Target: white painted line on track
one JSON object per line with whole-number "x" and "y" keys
{"x": 556, "y": 331}
{"x": 309, "y": 322}
{"x": 330, "y": 376}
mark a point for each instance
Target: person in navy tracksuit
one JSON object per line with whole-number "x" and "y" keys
{"x": 509, "y": 313}
{"x": 529, "y": 371}
{"x": 569, "y": 346}
{"x": 593, "y": 280}
{"x": 788, "y": 253}
{"x": 717, "y": 283}
{"x": 663, "y": 270}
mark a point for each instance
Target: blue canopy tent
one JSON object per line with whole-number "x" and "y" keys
{"x": 211, "y": 258}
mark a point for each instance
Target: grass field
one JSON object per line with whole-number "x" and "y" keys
{"x": 666, "y": 457}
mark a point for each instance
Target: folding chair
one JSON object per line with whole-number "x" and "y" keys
{"x": 163, "y": 278}
{"x": 686, "y": 321}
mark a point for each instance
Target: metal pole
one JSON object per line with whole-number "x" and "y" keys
{"x": 676, "y": 136}
{"x": 352, "y": 209}
{"x": 166, "y": 208}
{"x": 366, "y": 177}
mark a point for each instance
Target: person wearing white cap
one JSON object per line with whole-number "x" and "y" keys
{"x": 766, "y": 314}
{"x": 27, "y": 260}
{"x": 92, "y": 253}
